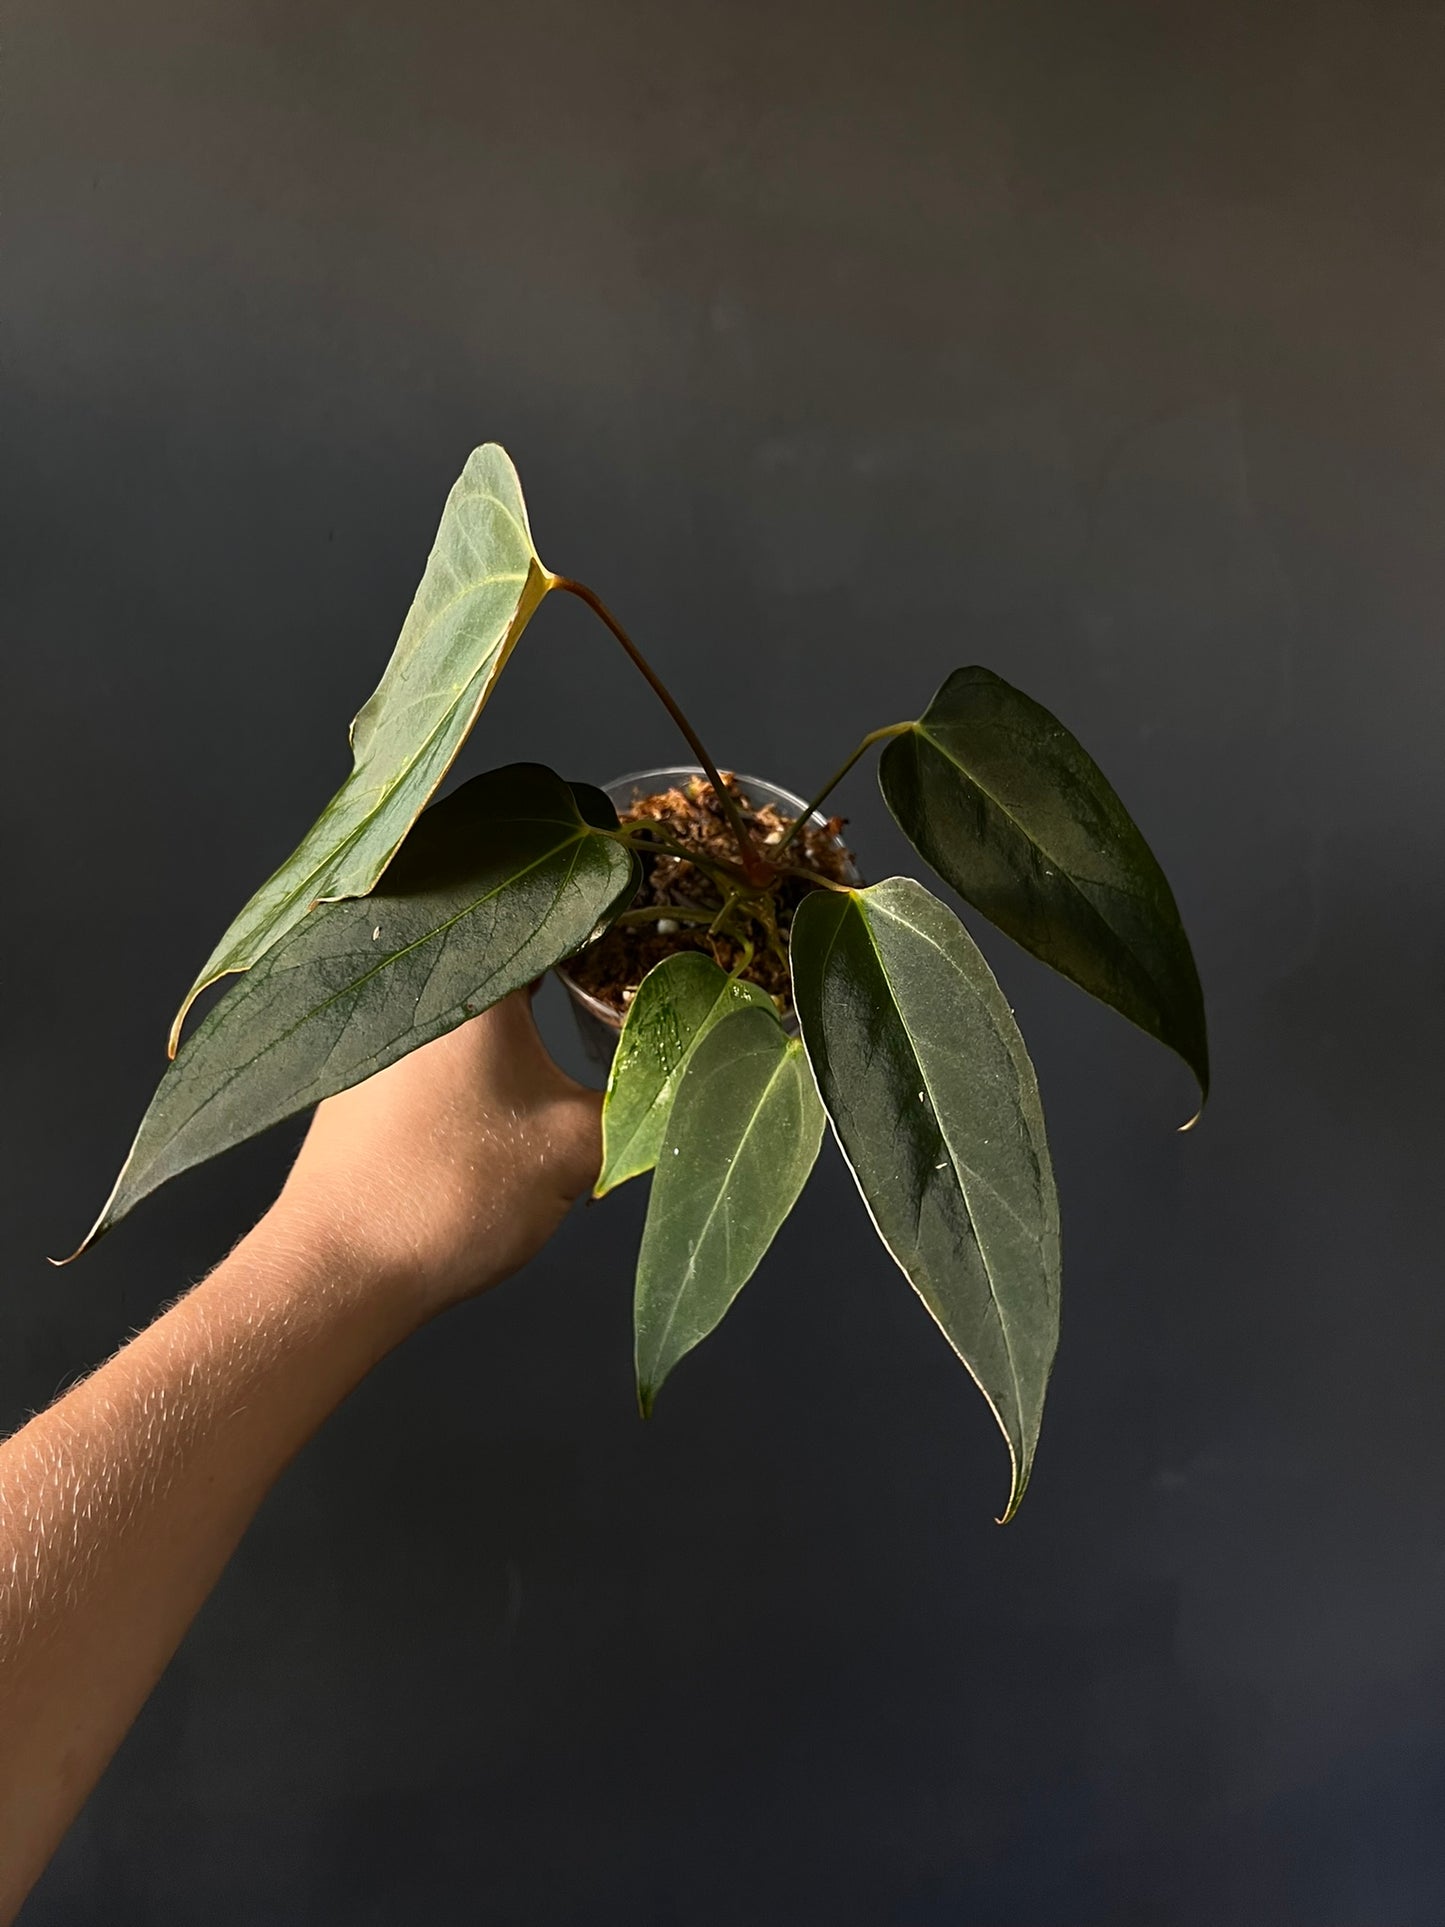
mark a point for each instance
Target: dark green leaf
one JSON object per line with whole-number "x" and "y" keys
{"x": 997, "y": 795}
{"x": 934, "y": 1102}
{"x": 741, "y": 1138}
{"x": 482, "y": 584}
{"x": 677, "y": 1004}
{"x": 497, "y": 883}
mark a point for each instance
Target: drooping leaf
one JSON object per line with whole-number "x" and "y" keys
{"x": 497, "y": 883}
{"x": 935, "y": 1104}
{"x": 997, "y": 795}
{"x": 742, "y": 1136}
{"x": 482, "y": 584}
{"x": 677, "y": 1003}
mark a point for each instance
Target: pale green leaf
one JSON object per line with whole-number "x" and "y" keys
{"x": 677, "y": 1003}
{"x": 483, "y": 582}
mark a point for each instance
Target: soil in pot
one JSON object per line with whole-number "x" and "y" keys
{"x": 676, "y": 889}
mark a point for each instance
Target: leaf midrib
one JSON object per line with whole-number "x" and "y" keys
{"x": 1115, "y": 940}
{"x": 977, "y": 1176}
{"x": 959, "y": 1169}
{"x": 335, "y": 856}
{"x": 386, "y": 963}
{"x": 1060, "y": 866}
{"x": 713, "y": 1209}
{"x": 472, "y": 588}
{"x": 280, "y": 904}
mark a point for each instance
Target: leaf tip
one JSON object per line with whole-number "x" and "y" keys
{"x": 106, "y": 1217}
{"x": 1203, "y": 1077}
{"x": 80, "y": 1250}
{"x": 96, "y": 1232}
{"x": 1020, "y": 1456}
{"x": 1015, "y": 1497}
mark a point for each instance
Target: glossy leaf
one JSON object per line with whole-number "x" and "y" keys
{"x": 497, "y": 883}
{"x": 935, "y": 1104}
{"x": 483, "y": 582}
{"x": 741, "y": 1138}
{"x": 1008, "y": 808}
{"x": 677, "y": 1003}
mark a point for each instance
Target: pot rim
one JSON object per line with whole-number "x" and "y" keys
{"x": 633, "y": 779}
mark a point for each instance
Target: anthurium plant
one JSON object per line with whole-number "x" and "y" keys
{"x": 791, "y": 995}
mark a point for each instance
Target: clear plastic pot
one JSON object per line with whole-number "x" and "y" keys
{"x": 598, "y": 1024}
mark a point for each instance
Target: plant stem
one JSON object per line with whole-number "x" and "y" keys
{"x": 661, "y": 844}
{"x": 744, "y": 962}
{"x": 874, "y": 736}
{"x": 670, "y": 912}
{"x": 724, "y": 878}
{"x": 812, "y": 876}
{"x": 754, "y": 862}
{"x": 729, "y": 905}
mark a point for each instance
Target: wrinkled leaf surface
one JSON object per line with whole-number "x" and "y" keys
{"x": 1008, "y": 808}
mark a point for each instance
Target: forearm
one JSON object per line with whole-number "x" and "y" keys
{"x": 120, "y": 1505}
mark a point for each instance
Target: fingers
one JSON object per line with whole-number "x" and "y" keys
{"x": 515, "y": 1030}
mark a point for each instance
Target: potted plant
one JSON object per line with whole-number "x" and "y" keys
{"x": 757, "y": 987}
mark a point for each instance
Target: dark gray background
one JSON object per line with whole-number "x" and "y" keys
{"x": 838, "y": 345}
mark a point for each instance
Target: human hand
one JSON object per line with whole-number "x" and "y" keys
{"x": 447, "y": 1171}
